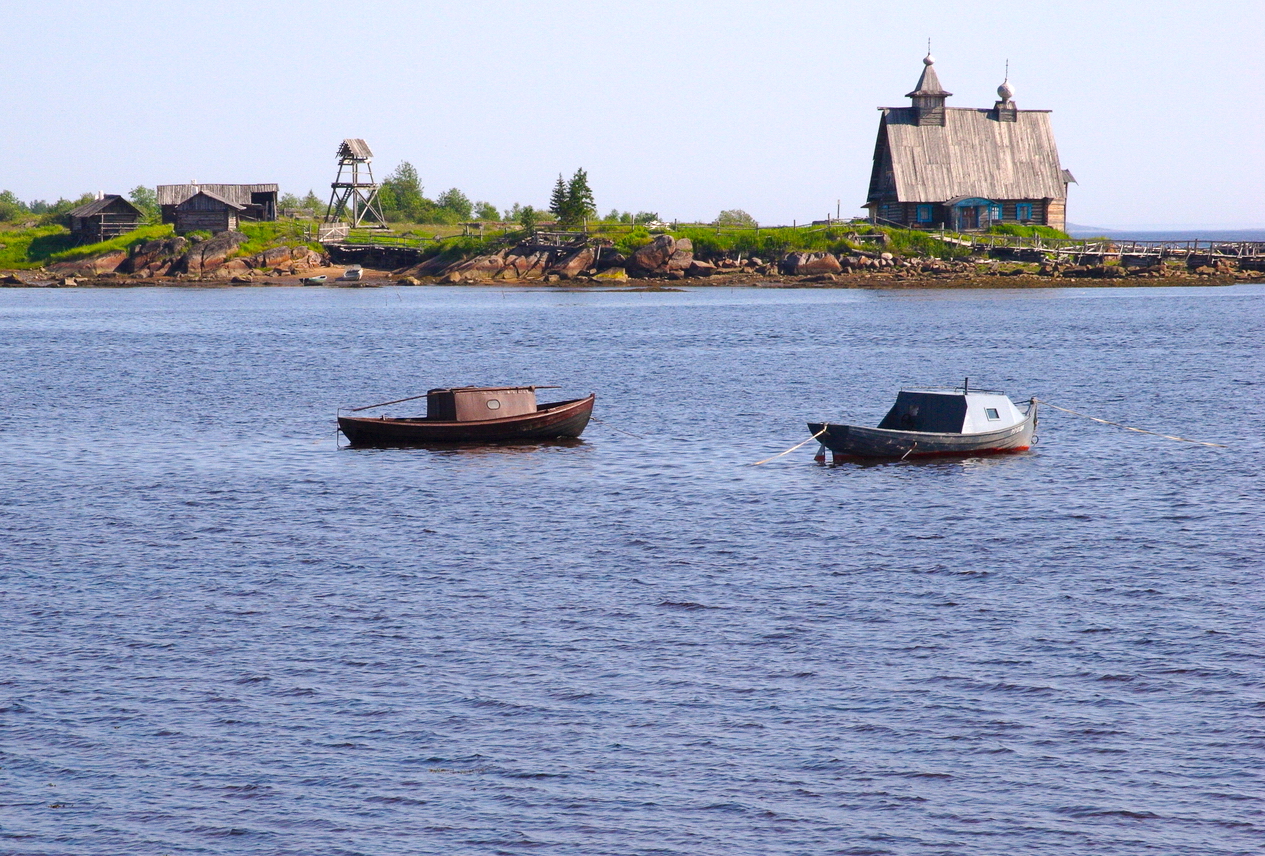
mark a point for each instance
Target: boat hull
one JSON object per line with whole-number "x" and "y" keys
{"x": 561, "y": 419}
{"x": 857, "y": 442}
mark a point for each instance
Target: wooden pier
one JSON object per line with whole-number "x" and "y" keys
{"x": 1200, "y": 251}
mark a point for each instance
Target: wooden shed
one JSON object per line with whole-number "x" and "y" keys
{"x": 103, "y": 219}
{"x": 208, "y": 212}
{"x": 257, "y": 201}
{"x": 964, "y": 168}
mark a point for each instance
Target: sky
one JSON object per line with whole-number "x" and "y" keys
{"x": 680, "y": 108}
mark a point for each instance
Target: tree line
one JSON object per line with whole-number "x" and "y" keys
{"x": 403, "y": 200}
{"x": 39, "y": 212}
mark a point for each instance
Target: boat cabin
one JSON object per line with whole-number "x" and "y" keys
{"x": 479, "y": 403}
{"x": 943, "y": 412}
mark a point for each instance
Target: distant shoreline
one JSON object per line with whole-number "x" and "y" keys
{"x": 869, "y": 281}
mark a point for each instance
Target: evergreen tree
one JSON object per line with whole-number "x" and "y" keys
{"x": 580, "y": 204}
{"x": 558, "y": 199}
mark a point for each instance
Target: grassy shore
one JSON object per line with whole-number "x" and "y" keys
{"x": 41, "y": 246}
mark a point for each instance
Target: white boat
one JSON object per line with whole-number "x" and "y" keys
{"x": 353, "y": 274}
{"x": 925, "y": 422}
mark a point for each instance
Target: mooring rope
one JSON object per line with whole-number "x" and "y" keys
{"x": 1129, "y": 427}
{"x": 792, "y": 448}
{"x": 613, "y": 428}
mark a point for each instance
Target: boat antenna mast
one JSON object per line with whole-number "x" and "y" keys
{"x": 354, "y": 197}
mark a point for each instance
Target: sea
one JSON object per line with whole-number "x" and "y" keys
{"x": 224, "y": 632}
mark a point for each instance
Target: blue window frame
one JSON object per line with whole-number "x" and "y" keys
{"x": 924, "y": 213}
{"x": 1023, "y": 211}
{"x": 994, "y": 211}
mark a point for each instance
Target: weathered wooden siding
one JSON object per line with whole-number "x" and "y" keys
{"x": 1056, "y": 214}
{"x": 223, "y": 220}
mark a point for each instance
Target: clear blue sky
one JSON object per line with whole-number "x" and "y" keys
{"x": 680, "y": 108}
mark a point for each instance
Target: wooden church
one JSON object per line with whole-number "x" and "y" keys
{"x": 938, "y": 167}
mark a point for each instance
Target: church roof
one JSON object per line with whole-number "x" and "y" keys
{"x": 929, "y": 82}
{"x": 972, "y": 154}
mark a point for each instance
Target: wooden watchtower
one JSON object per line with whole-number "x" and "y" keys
{"x": 355, "y": 193}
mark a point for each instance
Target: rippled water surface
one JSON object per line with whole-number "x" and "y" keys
{"x": 224, "y": 635}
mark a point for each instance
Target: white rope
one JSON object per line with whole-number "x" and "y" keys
{"x": 792, "y": 448}
{"x": 1130, "y": 428}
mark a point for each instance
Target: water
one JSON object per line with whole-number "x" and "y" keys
{"x": 223, "y": 635}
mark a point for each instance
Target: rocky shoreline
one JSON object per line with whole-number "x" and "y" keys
{"x": 662, "y": 263}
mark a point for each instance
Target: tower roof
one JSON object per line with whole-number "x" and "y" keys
{"x": 355, "y": 149}
{"x": 929, "y": 82}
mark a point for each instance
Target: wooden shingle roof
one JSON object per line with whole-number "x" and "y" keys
{"x": 236, "y": 206}
{"x": 973, "y": 154}
{"x": 355, "y": 148}
{"x": 96, "y": 206}
{"x": 239, "y": 194}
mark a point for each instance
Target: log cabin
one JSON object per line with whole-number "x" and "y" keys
{"x": 208, "y": 212}
{"x": 257, "y": 201}
{"x": 103, "y": 218}
{"x": 965, "y": 169}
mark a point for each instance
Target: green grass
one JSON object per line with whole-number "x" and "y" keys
{"x": 771, "y": 243}
{"x": 261, "y": 236}
{"x": 22, "y": 249}
{"x": 1020, "y": 231}
{"x": 45, "y": 245}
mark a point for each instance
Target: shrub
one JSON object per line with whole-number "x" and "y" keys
{"x": 736, "y": 218}
{"x": 1021, "y": 231}
{"x": 631, "y": 242}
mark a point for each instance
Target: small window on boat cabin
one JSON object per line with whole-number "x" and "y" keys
{"x": 991, "y": 413}
{"x": 924, "y": 213}
{"x": 1023, "y": 211}
{"x": 493, "y": 404}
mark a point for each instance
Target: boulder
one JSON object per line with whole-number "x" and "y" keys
{"x": 232, "y": 268}
{"x": 612, "y": 275}
{"x": 609, "y": 258}
{"x": 408, "y": 280}
{"x": 153, "y": 254}
{"x": 575, "y": 264}
{"x": 107, "y": 262}
{"x": 524, "y": 266}
{"x": 653, "y": 256}
{"x": 480, "y": 267}
{"x": 809, "y": 264}
{"x": 277, "y": 256}
{"x": 700, "y": 269}
{"x": 682, "y": 255}
{"x": 205, "y": 256}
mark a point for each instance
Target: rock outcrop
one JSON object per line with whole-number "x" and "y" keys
{"x": 811, "y": 264}
{"x": 662, "y": 256}
{"x": 575, "y": 264}
{"x": 205, "y": 256}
